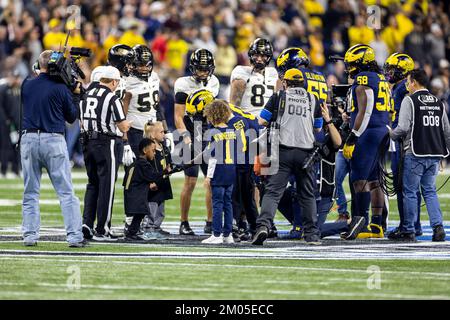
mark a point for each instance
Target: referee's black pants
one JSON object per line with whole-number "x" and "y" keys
{"x": 244, "y": 197}
{"x": 102, "y": 162}
{"x": 291, "y": 162}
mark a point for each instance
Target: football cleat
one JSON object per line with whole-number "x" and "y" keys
{"x": 371, "y": 231}
{"x": 398, "y": 235}
{"x": 185, "y": 229}
{"x": 208, "y": 227}
{"x": 354, "y": 228}
{"x": 87, "y": 232}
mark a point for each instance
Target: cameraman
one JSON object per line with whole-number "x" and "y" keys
{"x": 47, "y": 105}
{"x": 295, "y": 114}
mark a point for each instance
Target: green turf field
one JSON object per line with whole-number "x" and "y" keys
{"x": 193, "y": 271}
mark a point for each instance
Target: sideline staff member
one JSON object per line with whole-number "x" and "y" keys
{"x": 296, "y": 113}
{"x": 101, "y": 112}
{"x": 47, "y": 105}
{"x": 426, "y": 129}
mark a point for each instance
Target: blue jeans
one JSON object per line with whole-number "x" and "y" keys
{"x": 342, "y": 169}
{"x": 420, "y": 173}
{"x": 49, "y": 151}
{"x": 395, "y": 164}
{"x": 222, "y": 202}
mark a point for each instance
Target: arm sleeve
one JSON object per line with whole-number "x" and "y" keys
{"x": 268, "y": 112}
{"x": 70, "y": 104}
{"x": 117, "y": 109}
{"x": 404, "y": 119}
{"x": 211, "y": 167}
{"x": 180, "y": 97}
{"x": 446, "y": 127}
{"x": 318, "y": 120}
{"x": 149, "y": 174}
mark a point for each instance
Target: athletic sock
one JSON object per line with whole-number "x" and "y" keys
{"x": 362, "y": 202}
{"x": 376, "y": 220}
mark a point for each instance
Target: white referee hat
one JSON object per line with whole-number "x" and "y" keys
{"x": 96, "y": 74}
{"x": 110, "y": 72}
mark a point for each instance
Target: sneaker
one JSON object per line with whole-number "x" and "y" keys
{"x": 418, "y": 233}
{"x": 208, "y": 227}
{"x": 343, "y": 217}
{"x": 153, "y": 235}
{"x": 260, "y": 235}
{"x": 80, "y": 244}
{"x": 438, "y": 233}
{"x": 354, "y": 228}
{"x": 295, "y": 233}
{"x": 273, "y": 232}
{"x": 103, "y": 238}
{"x": 228, "y": 239}
{"x": 244, "y": 235}
{"x": 185, "y": 229}
{"x": 395, "y": 230}
{"x": 30, "y": 243}
{"x": 402, "y": 236}
{"x": 163, "y": 232}
{"x": 87, "y": 232}
{"x": 214, "y": 240}
{"x": 313, "y": 241}
{"x": 134, "y": 237}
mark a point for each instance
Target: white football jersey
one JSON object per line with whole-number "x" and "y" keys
{"x": 144, "y": 100}
{"x": 259, "y": 88}
{"x": 188, "y": 85}
{"x": 120, "y": 92}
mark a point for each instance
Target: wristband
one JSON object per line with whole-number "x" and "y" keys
{"x": 328, "y": 122}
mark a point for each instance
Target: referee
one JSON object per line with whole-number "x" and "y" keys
{"x": 294, "y": 114}
{"x": 101, "y": 113}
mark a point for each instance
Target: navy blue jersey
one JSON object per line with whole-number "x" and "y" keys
{"x": 227, "y": 143}
{"x": 399, "y": 91}
{"x": 315, "y": 83}
{"x": 382, "y": 98}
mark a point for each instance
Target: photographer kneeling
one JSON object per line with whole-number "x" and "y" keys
{"x": 47, "y": 105}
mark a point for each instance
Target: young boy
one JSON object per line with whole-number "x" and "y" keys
{"x": 140, "y": 177}
{"x": 161, "y": 163}
{"x": 225, "y": 143}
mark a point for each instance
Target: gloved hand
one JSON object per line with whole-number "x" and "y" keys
{"x": 349, "y": 146}
{"x": 128, "y": 155}
{"x": 169, "y": 141}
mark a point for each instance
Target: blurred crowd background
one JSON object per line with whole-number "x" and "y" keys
{"x": 174, "y": 28}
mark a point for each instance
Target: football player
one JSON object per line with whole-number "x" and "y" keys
{"x": 370, "y": 104}
{"x": 314, "y": 81}
{"x": 141, "y": 101}
{"x": 120, "y": 56}
{"x": 252, "y": 86}
{"x": 243, "y": 196}
{"x": 396, "y": 70}
{"x": 201, "y": 66}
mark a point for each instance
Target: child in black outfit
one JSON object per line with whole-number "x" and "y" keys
{"x": 161, "y": 163}
{"x": 140, "y": 177}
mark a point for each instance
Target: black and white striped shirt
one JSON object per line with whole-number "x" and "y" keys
{"x": 100, "y": 110}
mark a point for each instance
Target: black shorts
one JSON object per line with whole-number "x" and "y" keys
{"x": 193, "y": 171}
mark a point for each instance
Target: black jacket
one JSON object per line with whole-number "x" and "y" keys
{"x": 136, "y": 186}
{"x": 164, "y": 192}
